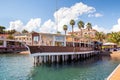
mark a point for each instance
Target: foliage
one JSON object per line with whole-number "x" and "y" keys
{"x": 89, "y": 26}
{"x": 100, "y": 36}
{"x": 114, "y": 37}
{"x": 80, "y": 26}
{"x": 11, "y": 31}
{"x": 1, "y": 42}
{"x": 58, "y": 32}
{"x": 65, "y": 27}
{"x": 72, "y": 35}
{"x": 25, "y": 31}
{"x": 10, "y": 37}
{"x": 86, "y": 36}
{"x": 72, "y": 23}
{"x": 2, "y": 28}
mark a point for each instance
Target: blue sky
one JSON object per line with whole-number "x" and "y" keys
{"x": 39, "y": 14}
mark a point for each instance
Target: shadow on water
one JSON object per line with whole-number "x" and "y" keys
{"x": 69, "y": 70}
{"x": 81, "y": 62}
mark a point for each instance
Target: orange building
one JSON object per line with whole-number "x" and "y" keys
{"x": 84, "y": 36}
{"x": 3, "y": 36}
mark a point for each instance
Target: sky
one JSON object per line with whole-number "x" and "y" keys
{"x": 49, "y": 16}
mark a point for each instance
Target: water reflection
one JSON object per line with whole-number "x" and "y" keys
{"x": 96, "y": 68}
{"x": 20, "y": 67}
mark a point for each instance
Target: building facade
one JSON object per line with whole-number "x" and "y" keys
{"x": 47, "y": 39}
{"x": 3, "y": 36}
{"x": 41, "y": 39}
{"x": 82, "y": 36}
{"x": 25, "y": 38}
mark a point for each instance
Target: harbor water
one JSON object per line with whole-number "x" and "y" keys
{"x": 21, "y": 67}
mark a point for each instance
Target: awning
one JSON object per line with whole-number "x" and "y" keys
{"x": 109, "y": 43}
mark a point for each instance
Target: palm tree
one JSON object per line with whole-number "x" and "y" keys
{"x": 114, "y": 37}
{"x": 2, "y": 29}
{"x": 65, "y": 27}
{"x": 100, "y": 36}
{"x": 72, "y": 23}
{"x": 80, "y": 26}
{"x": 89, "y": 26}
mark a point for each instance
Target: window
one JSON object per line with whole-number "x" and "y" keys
{"x": 59, "y": 38}
{"x": 35, "y": 38}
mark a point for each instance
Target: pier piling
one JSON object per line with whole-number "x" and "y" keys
{"x": 40, "y": 58}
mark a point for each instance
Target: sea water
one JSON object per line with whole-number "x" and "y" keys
{"x": 21, "y": 67}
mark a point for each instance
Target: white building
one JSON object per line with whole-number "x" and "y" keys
{"x": 41, "y": 39}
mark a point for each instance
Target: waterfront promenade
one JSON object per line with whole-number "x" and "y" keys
{"x": 51, "y": 54}
{"x": 115, "y": 75}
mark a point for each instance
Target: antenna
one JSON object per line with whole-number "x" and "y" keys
{"x": 56, "y": 16}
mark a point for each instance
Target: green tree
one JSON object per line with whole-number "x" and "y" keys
{"x": 72, "y": 23}
{"x": 80, "y": 26}
{"x": 100, "y": 36}
{"x": 1, "y": 43}
{"x": 11, "y": 31}
{"x": 114, "y": 37}
{"x": 2, "y": 29}
{"x": 25, "y": 31}
{"x": 10, "y": 37}
{"x": 89, "y": 26}
{"x": 65, "y": 27}
{"x": 58, "y": 32}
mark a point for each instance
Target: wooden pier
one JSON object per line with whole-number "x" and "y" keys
{"x": 57, "y": 57}
{"x": 115, "y": 75}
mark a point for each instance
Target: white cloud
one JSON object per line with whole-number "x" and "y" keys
{"x": 18, "y": 25}
{"x": 47, "y": 27}
{"x": 61, "y": 17}
{"x": 33, "y": 24}
{"x": 100, "y": 29}
{"x": 98, "y": 15}
{"x": 76, "y": 29}
{"x": 95, "y": 15}
{"x": 116, "y": 27}
{"x": 65, "y": 14}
